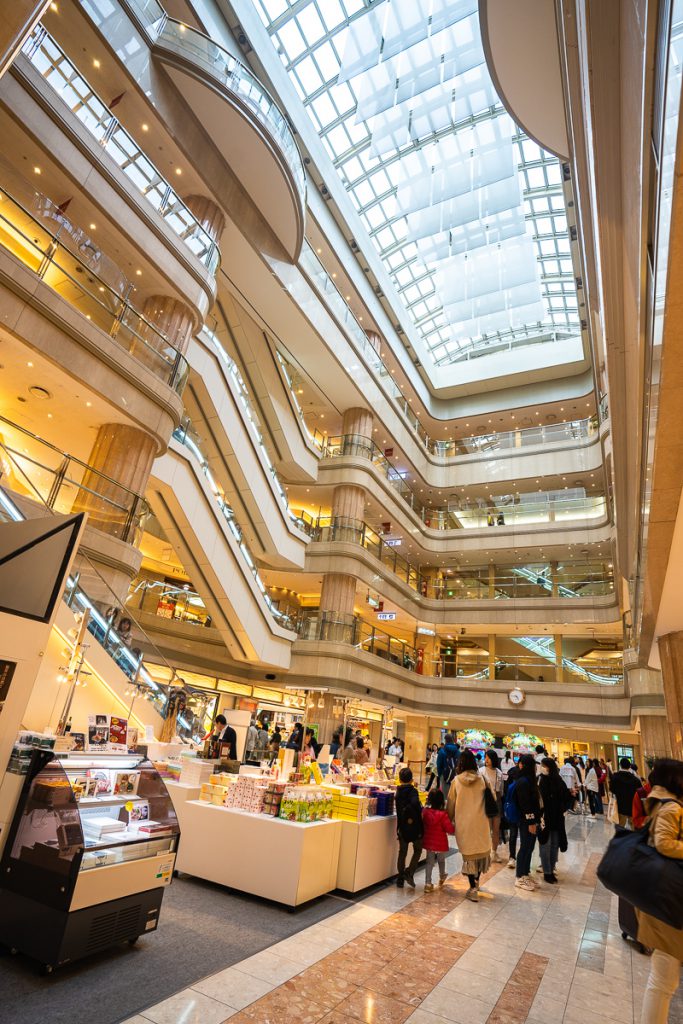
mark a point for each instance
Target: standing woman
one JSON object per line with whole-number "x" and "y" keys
{"x": 553, "y": 837}
{"x": 494, "y": 777}
{"x": 665, "y": 807}
{"x": 592, "y": 783}
{"x": 472, "y": 830}
{"x": 431, "y": 764}
{"x": 529, "y": 803}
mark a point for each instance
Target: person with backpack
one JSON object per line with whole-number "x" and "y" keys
{"x": 447, "y": 763}
{"x": 527, "y": 798}
{"x": 409, "y": 827}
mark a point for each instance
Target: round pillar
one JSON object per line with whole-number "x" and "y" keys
{"x": 348, "y": 502}
{"x": 172, "y": 318}
{"x": 118, "y": 469}
{"x": 338, "y": 593}
{"x": 210, "y": 216}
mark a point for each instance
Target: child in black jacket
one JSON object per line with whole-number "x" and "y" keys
{"x": 409, "y": 827}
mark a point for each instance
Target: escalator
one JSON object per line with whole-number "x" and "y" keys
{"x": 202, "y": 528}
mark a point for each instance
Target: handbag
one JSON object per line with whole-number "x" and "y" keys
{"x": 641, "y": 875}
{"x": 491, "y": 808}
{"x": 613, "y": 811}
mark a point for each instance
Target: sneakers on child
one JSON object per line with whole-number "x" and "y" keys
{"x": 525, "y": 883}
{"x": 442, "y": 881}
{"x": 429, "y": 887}
{"x": 472, "y": 895}
{"x": 512, "y": 863}
{"x": 539, "y": 869}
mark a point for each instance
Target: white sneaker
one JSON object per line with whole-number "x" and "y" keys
{"x": 539, "y": 869}
{"x": 525, "y": 883}
{"x": 512, "y": 863}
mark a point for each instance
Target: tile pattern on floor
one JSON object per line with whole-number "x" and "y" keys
{"x": 515, "y": 957}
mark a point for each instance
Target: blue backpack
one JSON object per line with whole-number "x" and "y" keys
{"x": 511, "y": 807}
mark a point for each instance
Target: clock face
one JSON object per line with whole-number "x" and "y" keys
{"x": 516, "y": 696}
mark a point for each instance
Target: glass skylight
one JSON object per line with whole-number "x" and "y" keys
{"x": 466, "y": 212}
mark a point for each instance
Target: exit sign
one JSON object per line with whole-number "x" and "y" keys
{"x": 615, "y": 738}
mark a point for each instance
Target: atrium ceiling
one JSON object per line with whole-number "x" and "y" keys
{"x": 466, "y": 212}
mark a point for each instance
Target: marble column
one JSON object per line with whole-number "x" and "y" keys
{"x": 19, "y": 18}
{"x": 655, "y": 739}
{"x": 119, "y": 466}
{"x": 171, "y": 317}
{"x": 417, "y": 738}
{"x": 671, "y": 657}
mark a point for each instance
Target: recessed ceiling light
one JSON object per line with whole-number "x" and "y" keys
{"x": 29, "y": 364}
{"x": 37, "y": 170}
{"x": 145, "y": 127}
{"x": 139, "y": 273}
{"x": 54, "y": 7}
{"x": 92, "y": 227}
{"x": 96, "y": 63}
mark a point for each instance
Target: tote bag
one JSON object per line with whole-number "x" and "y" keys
{"x": 613, "y": 811}
{"x": 635, "y": 871}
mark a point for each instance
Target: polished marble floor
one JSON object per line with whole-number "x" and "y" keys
{"x": 555, "y": 956}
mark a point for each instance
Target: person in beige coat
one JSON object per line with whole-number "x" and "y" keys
{"x": 472, "y": 830}
{"x": 664, "y": 806}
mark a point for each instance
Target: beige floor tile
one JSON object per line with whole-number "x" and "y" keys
{"x": 269, "y": 967}
{"x": 189, "y": 1007}
{"x": 234, "y": 987}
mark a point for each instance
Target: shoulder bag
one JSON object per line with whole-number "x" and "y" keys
{"x": 491, "y": 808}
{"x": 641, "y": 875}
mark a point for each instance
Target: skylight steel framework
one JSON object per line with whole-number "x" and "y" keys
{"x": 348, "y": 57}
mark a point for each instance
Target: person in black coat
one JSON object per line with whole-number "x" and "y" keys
{"x": 409, "y": 827}
{"x": 623, "y": 786}
{"x": 553, "y": 836}
{"x": 528, "y": 801}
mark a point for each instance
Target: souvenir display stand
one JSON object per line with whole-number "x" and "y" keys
{"x": 289, "y": 862}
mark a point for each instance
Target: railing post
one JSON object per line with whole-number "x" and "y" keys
{"x": 57, "y": 482}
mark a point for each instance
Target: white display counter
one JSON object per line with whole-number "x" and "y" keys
{"x": 286, "y": 861}
{"x": 181, "y": 792}
{"x": 368, "y": 853}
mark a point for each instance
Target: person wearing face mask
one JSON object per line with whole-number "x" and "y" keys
{"x": 553, "y": 836}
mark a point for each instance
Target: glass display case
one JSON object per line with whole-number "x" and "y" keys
{"x": 91, "y": 848}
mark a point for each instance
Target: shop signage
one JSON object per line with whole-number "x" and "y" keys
{"x": 426, "y": 632}
{"x": 386, "y": 616}
{"x": 393, "y": 542}
{"x": 6, "y": 673}
{"x": 388, "y": 453}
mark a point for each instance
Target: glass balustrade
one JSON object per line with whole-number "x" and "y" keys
{"x": 33, "y": 467}
{"x": 505, "y": 510}
{"x": 114, "y": 628}
{"x": 300, "y": 520}
{"x": 314, "y": 435}
{"x": 178, "y": 603}
{"x": 186, "y": 436}
{"x": 72, "y": 88}
{"x": 451, "y": 662}
{"x": 55, "y": 259}
{"x": 581, "y": 579}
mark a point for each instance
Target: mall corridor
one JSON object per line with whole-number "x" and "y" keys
{"x": 553, "y": 956}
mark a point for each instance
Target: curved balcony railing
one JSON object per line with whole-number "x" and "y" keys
{"x": 229, "y": 73}
{"x": 78, "y": 95}
{"x": 504, "y": 510}
{"x": 568, "y": 431}
{"x": 577, "y": 580}
{"x": 66, "y": 484}
{"x": 188, "y": 437}
{"x": 451, "y": 662}
{"x": 314, "y": 435}
{"x": 68, "y": 269}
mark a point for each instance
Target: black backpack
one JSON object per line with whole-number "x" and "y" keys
{"x": 451, "y": 765}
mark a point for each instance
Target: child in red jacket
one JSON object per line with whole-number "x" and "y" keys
{"x": 437, "y": 828}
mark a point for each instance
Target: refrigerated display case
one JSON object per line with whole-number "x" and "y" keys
{"x": 90, "y": 851}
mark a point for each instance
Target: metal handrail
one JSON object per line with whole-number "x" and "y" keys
{"x": 352, "y": 631}
{"x": 500, "y": 511}
{"x": 489, "y": 583}
{"x": 49, "y": 59}
{"x": 98, "y": 302}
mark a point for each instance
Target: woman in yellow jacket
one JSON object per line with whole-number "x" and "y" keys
{"x": 472, "y": 829}
{"x": 664, "y": 806}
